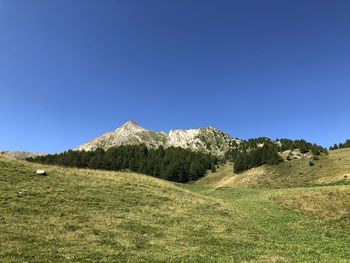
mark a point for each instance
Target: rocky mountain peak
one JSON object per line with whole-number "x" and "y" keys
{"x": 209, "y": 140}
{"x": 130, "y": 124}
{"x": 130, "y": 127}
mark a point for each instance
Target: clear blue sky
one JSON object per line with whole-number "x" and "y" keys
{"x": 72, "y": 70}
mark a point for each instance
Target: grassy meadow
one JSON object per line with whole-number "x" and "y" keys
{"x": 77, "y": 215}
{"x": 331, "y": 169}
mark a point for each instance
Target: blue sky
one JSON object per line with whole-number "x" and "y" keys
{"x": 72, "y": 70}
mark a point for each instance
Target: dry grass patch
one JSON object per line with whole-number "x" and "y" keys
{"x": 330, "y": 204}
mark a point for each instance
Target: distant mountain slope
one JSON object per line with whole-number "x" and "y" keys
{"x": 19, "y": 155}
{"x": 209, "y": 140}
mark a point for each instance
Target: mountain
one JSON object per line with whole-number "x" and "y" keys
{"x": 19, "y": 155}
{"x": 209, "y": 140}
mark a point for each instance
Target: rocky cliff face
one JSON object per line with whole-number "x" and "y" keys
{"x": 208, "y": 140}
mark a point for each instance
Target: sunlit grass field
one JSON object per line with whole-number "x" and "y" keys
{"x": 75, "y": 215}
{"x": 80, "y": 215}
{"x": 331, "y": 169}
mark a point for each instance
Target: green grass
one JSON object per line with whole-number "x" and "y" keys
{"x": 80, "y": 215}
{"x": 329, "y": 204}
{"x": 211, "y": 179}
{"x": 76, "y": 215}
{"x": 332, "y": 169}
{"x": 284, "y": 234}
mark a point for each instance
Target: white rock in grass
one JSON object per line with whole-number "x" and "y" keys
{"x": 41, "y": 172}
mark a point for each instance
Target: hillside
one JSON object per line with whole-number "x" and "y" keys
{"x": 330, "y": 204}
{"x": 329, "y": 169}
{"x": 83, "y": 215}
{"x": 75, "y": 215}
{"x": 208, "y": 140}
{"x": 19, "y": 155}
{"x": 212, "y": 178}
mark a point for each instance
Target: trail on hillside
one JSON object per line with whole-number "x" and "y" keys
{"x": 286, "y": 235}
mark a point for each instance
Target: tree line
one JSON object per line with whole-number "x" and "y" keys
{"x": 255, "y": 152}
{"x": 345, "y": 144}
{"x": 174, "y": 163}
{"x": 178, "y": 164}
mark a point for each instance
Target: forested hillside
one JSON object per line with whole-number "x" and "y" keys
{"x": 259, "y": 151}
{"x": 174, "y": 163}
{"x": 182, "y": 165}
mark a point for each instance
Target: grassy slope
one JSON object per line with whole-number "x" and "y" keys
{"x": 82, "y": 215}
{"x": 211, "y": 179}
{"x": 329, "y": 204}
{"x": 288, "y": 235}
{"x": 331, "y": 169}
{"x": 307, "y": 224}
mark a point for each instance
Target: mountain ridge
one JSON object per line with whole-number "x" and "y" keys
{"x": 20, "y": 155}
{"x": 208, "y": 140}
